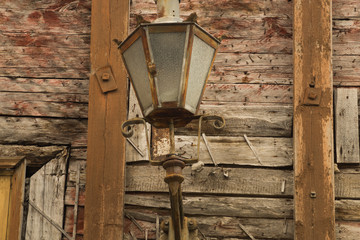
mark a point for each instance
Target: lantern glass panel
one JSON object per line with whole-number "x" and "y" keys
{"x": 168, "y": 54}
{"x": 201, "y": 59}
{"x": 138, "y": 71}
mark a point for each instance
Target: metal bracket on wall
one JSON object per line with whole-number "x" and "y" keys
{"x": 106, "y": 79}
{"x": 312, "y": 96}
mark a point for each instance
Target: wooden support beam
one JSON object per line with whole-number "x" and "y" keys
{"x": 107, "y": 110}
{"x": 313, "y": 121}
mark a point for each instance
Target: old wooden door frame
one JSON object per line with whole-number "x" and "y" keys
{"x": 313, "y": 121}
{"x": 107, "y": 110}
{"x": 15, "y": 169}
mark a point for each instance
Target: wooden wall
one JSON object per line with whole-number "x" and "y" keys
{"x": 44, "y": 77}
{"x": 44, "y": 70}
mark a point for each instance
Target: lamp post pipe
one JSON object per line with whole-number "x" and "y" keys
{"x": 172, "y": 137}
{"x": 168, "y": 11}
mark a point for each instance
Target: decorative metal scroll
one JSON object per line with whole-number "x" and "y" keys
{"x": 127, "y": 131}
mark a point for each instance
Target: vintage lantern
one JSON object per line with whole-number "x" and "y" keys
{"x": 168, "y": 65}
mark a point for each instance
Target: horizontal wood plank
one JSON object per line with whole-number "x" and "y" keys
{"x": 273, "y": 120}
{"x": 212, "y": 180}
{"x": 41, "y": 85}
{"x": 254, "y": 93}
{"x": 44, "y": 104}
{"x": 272, "y": 152}
{"x": 240, "y": 181}
{"x": 45, "y": 131}
{"x": 34, "y": 155}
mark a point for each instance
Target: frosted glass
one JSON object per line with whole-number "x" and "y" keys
{"x": 137, "y": 68}
{"x": 201, "y": 58}
{"x": 168, "y": 54}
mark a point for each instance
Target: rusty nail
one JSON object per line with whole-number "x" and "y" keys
{"x": 105, "y": 76}
{"x": 313, "y": 194}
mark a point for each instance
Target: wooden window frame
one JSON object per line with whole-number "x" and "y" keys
{"x": 15, "y": 167}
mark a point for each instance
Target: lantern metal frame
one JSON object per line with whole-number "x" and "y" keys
{"x": 159, "y": 113}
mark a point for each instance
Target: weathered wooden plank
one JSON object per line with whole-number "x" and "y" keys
{"x": 240, "y": 26}
{"x": 216, "y": 227}
{"x": 47, "y": 190}
{"x": 346, "y": 125}
{"x": 251, "y": 181}
{"x": 235, "y": 67}
{"x": 43, "y": 104}
{"x": 219, "y": 206}
{"x": 5, "y": 183}
{"x": 313, "y": 125}
{"x": 254, "y": 120}
{"x": 50, "y": 131}
{"x": 347, "y": 230}
{"x": 346, "y": 70}
{"x": 48, "y": 72}
{"x": 28, "y": 19}
{"x": 16, "y": 199}
{"x": 261, "y": 229}
{"x": 212, "y": 180}
{"x": 40, "y": 85}
{"x": 42, "y": 57}
{"x": 345, "y": 8}
{"x": 10, "y": 162}
{"x": 54, "y": 40}
{"x": 345, "y": 37}
{"x": 35, "y": 155}
{"x": 140, "y": 149}
{"x": 273, "y": 152}
{"x": 226, "y": 8}
{"x": 106, "y": 146}
{"x": 273, "y": 45}
{"x": 346, "y": 209}
{"x": 254, "y": 93}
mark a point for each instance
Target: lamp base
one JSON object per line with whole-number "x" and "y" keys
{"x": 189, "y": 230}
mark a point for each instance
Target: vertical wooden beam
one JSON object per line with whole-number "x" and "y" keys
{"x": 16, "y": 202}
{"x": 106, "y": 146}
{"x": 313, "y": 121}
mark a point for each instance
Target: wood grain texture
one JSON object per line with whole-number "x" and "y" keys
{"x": 139, "y": 137}
{"x": 258, "y": 120}
{"x": 35, "y": 155}
{"x": 241, "y": 181}
{"x": 346, "y": 209}
{"x": 45, "y": 39}
{"x": 16, "y": 199}
{"x": 106, "y": 146}
{"x": 273, "y": 152}
{"x": 212, "y": 180}
{"x": 60, "y": 105}
{"x": 45, "y": 131}
{"x": 5, "y": 182}
{"x": 227, "y": 227}
{"x": 346, "y": 125}
{"x": 313, "y": 125}
{"x": 47, "y": 191}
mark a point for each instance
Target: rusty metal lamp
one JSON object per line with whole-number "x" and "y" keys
{"x": 168, "y": 62}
